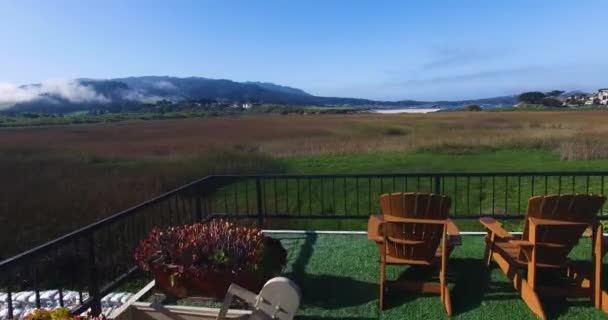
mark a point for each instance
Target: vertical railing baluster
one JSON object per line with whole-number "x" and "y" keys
{"x": 506, "y": 195}
{"x": 573, "y": 184}
{"x": 468, "y": 195}
{"x": 436, "y": 182}
{"x": 299, "y": 205}
{"x": 602, "y": 192}
{"x": 369, "y": 194}
{"x": 322, "y": 196}
{"x": 9, "y": 304}
{"x": 276, "y": 201}
{"x": 480, "y": 195}
{"x": 93, "y": 276}
{"x": 381, "y": 185}
{"x": 405, "y": 184}
{"x": 36, "y": 286}
{"x": 199, "y": 205}
{"x": 258, "y": 195}
{"x": 287, "y": 210}
{"x": 432, "y": 186}
{"x": 546, "y": 183}
{"x": 559, "y": 184}
{"x": 418, "y": 184}
{"x": 357, "y": 193}
{"x": 393, "y": 188}
{"x": 236, "y": 197}
{"x": 264, "y": 196}
{"x": 225, "y": 200}
{"x": 333, "y": 195}
{"x": 61, "y": 302}
{"x": 519, "y": 195}
{"x": 179, "y": 214}
{"x": 587, "y": 185}
{"x": 455, "y": 194}
{"x": 493, "y": 195}
{"x": 344, "y": 195}
{"x": 247, "y": 211}
{"x": 309, "y": 196}
{"x": 532, "y": 187}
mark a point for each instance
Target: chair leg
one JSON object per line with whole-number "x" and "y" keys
{"x": 598, "y": 293}
{"x": 489, "y": 246}
{"x": 382, "y": 284}
{"x": 447, "y": 301}
{"x": 531, "y": 299}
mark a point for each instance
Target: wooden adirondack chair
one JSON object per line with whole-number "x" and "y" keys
{"x": 414, "y": 231}
{"x": 553, "y": 226}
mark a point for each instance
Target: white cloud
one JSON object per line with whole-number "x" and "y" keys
{"x": 67, "y": 89}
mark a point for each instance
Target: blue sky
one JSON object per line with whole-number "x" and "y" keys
{"x": 390, "y": 50}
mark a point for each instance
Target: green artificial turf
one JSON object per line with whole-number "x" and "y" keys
{"x": 338, "y": 275}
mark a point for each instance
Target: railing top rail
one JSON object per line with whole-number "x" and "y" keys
{"x": 96, "y": 225}
{"x": 424, "y": 174}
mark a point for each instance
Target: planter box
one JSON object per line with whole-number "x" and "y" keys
{"x": 213, "y": 284}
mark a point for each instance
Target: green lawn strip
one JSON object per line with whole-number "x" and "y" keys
{"x": 471, "y": 196}
{"x": 477, "y": 160}
{"x": 338, "y": 275}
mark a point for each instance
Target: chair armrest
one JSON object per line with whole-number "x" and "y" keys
{"x": 495, "y": 227}
{"x": 452, "y": 228}
{"x": 374, "y": 225}
{"x": 522, "y": 243}
{"x": 454, "y": 238}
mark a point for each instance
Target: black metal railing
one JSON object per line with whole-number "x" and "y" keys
{"x": 356, "y": 196}
{"x": 96, "y": 259}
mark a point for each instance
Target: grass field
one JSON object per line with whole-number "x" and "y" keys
{"x": 338, "y": 275}
{"x": 55, "y": 179}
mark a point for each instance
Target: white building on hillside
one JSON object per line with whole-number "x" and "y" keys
{"x": 602, "y": 96}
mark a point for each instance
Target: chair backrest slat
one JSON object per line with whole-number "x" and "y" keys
{"x": 581, "y": 208}
{"x": 414, "y": 205}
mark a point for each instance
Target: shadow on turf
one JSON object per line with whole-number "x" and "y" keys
{"x": 328, "y": 291}
{"x": 468, "y": 277}
{"x": 554, "y": 307}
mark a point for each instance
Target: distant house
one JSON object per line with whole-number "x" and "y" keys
{"x": 602, "y": 96}
{"x": 579, "y": 100}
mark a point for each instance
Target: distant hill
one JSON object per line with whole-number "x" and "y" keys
{"x": 124, "y": 93}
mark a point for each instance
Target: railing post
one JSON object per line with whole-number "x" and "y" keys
{"x": 93, "y": 277}
{"x": 9, "y": 301}
{"x": 258, "y": 193}
{"x": 437, "y": 184}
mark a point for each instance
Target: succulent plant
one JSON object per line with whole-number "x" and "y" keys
{"x": 202, "y": 248}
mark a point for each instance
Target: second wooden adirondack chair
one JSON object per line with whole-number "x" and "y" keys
{"x": 415, "y": 232}
{"x": 553, "y": 226}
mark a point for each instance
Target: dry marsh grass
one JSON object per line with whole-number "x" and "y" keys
{"x": 563, "y": 132}
{"x": 55, "y": 179}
